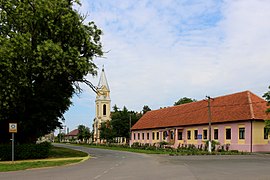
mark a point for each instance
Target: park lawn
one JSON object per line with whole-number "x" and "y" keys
{"x": 58, "y": 156}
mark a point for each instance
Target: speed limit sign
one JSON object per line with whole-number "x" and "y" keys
{"x": 12, "y": 127}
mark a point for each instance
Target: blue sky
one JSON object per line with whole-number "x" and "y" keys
{"x": 162, "y": 50}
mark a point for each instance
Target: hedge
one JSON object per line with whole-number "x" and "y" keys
{"x": 25, "y": 151}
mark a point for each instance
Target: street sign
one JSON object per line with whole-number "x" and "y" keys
{"x": 199, "y": 136}
{"x": 13, "y": 127}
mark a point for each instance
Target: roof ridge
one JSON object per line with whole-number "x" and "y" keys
{"x": 241, "y": 92}
{"x": 203, "y": 100}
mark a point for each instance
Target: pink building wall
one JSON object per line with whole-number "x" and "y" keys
{"x": 247, "y": 144}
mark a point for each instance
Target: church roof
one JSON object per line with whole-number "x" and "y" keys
{"x": 240, "y": 106}
{"x": 103, "y": 80}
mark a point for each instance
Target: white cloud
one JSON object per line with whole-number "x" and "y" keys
{"x": 160, "y": 51}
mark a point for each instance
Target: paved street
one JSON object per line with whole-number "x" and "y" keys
{"x": 107, "y": 164}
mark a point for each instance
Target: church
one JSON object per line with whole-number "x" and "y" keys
{"x": 103, "y": 105}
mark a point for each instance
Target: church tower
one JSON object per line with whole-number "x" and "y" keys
{"x": 103, "y": 105}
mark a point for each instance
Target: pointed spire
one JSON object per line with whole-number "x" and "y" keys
{"x": 103, "y": 80}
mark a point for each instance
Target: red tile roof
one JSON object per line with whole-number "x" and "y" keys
{"x": 74, "y": 132}
{"x": 234, "y": 107}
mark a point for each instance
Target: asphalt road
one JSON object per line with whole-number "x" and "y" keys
{"x": 109, "y": 165}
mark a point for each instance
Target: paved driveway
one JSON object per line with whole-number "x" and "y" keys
{"x": 107, "y": 164}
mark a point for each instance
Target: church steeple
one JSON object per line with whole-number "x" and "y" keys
{"x": 103, "y": 105}
{"x": 103, "y": 81}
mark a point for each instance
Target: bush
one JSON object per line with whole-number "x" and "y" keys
{"x": 25, "y": 151}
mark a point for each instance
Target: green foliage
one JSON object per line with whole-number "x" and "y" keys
{"x": 184, "y": 100}
{"x": 25, "y": 151}
{"x": 46, "y": 49}
{"x": 146, "y": 109}
{"x": 122, "y": 120}
{"x": 106, "y": 132}
{"x": 267, "y": 98}
{"x": 214, "y": 145}
{"x": 183, "y": 149}
{"x": 84, "y": 133}
{"x": 119, "y": 126}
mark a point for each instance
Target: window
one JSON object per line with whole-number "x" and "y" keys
{"x": 157, "y": 135}
{"x": 164, "y": 135}
{"x": 188, "y": 134}
{"x": 134, "y": 136}
{"x": 172, "y": 134}
{"x": 180, "y": 135}
{"x": 228, "y": 133}
{"x": 138, "y": 136}
{"x": 153, "y": 135}
{"x": 142, "y": 136}
{"x": 242, "y": 133}
{"x": 205, "y": 134}
{"x": 195, "y": 134}
{"x": 104, "y": 109}
{"x": 265, "y": 133}
{"x": 215, "y": 133}
{"x": 147, "y": 136}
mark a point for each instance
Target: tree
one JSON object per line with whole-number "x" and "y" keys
{"x": 46, "y": 50}
{"x": 145, "y": 109}
{"x": 267, "y": 98}
{"x": 84, "y": 133}
{"x": 184, "y": 100}
{"x": 122, "y": 120}
{"x": 106, "y": 132}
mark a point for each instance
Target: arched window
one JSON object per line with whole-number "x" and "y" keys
{"x": 104, "y": 109}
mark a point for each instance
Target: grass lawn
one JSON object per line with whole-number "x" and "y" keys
{"x": 146, "y": 151}
{"x": 59, "y": 152}
{"x": 58, "y": 157}
{"x": 34, "y": 164}
{"x": 165, "y": 151}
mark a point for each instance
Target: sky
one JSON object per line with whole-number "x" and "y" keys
{"x": 160, "y": 51}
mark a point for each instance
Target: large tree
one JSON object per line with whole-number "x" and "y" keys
{"x": 146, "y": 109}
{"x": 122, "y": 120}
{"x": 267, "y": 97}
{"x": 184, "y": 100}
{"x": 45, "y": 50}
{"x": 84, "y": 133}
{"x": 106, "y": 132}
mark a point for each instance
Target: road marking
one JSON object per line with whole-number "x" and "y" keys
{"x": 98, "y": 176}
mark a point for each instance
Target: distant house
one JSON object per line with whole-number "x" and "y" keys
{"x": 72, "y": 136}
{"x": 237, "y": 120}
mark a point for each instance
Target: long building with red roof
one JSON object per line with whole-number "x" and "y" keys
{"x": 237, "y": 121}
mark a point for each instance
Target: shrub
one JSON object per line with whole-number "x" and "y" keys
{"x": 25, "y": 151}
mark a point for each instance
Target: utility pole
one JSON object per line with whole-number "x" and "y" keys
{"x": 129, "y": 130}
{"x": 209, "y": 123}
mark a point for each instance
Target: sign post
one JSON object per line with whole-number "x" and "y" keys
{"x": 12, "y": 129}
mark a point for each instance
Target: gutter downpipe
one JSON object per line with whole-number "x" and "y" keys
{"x": 252, "y": 118}
{"x": 251, "y": 137}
